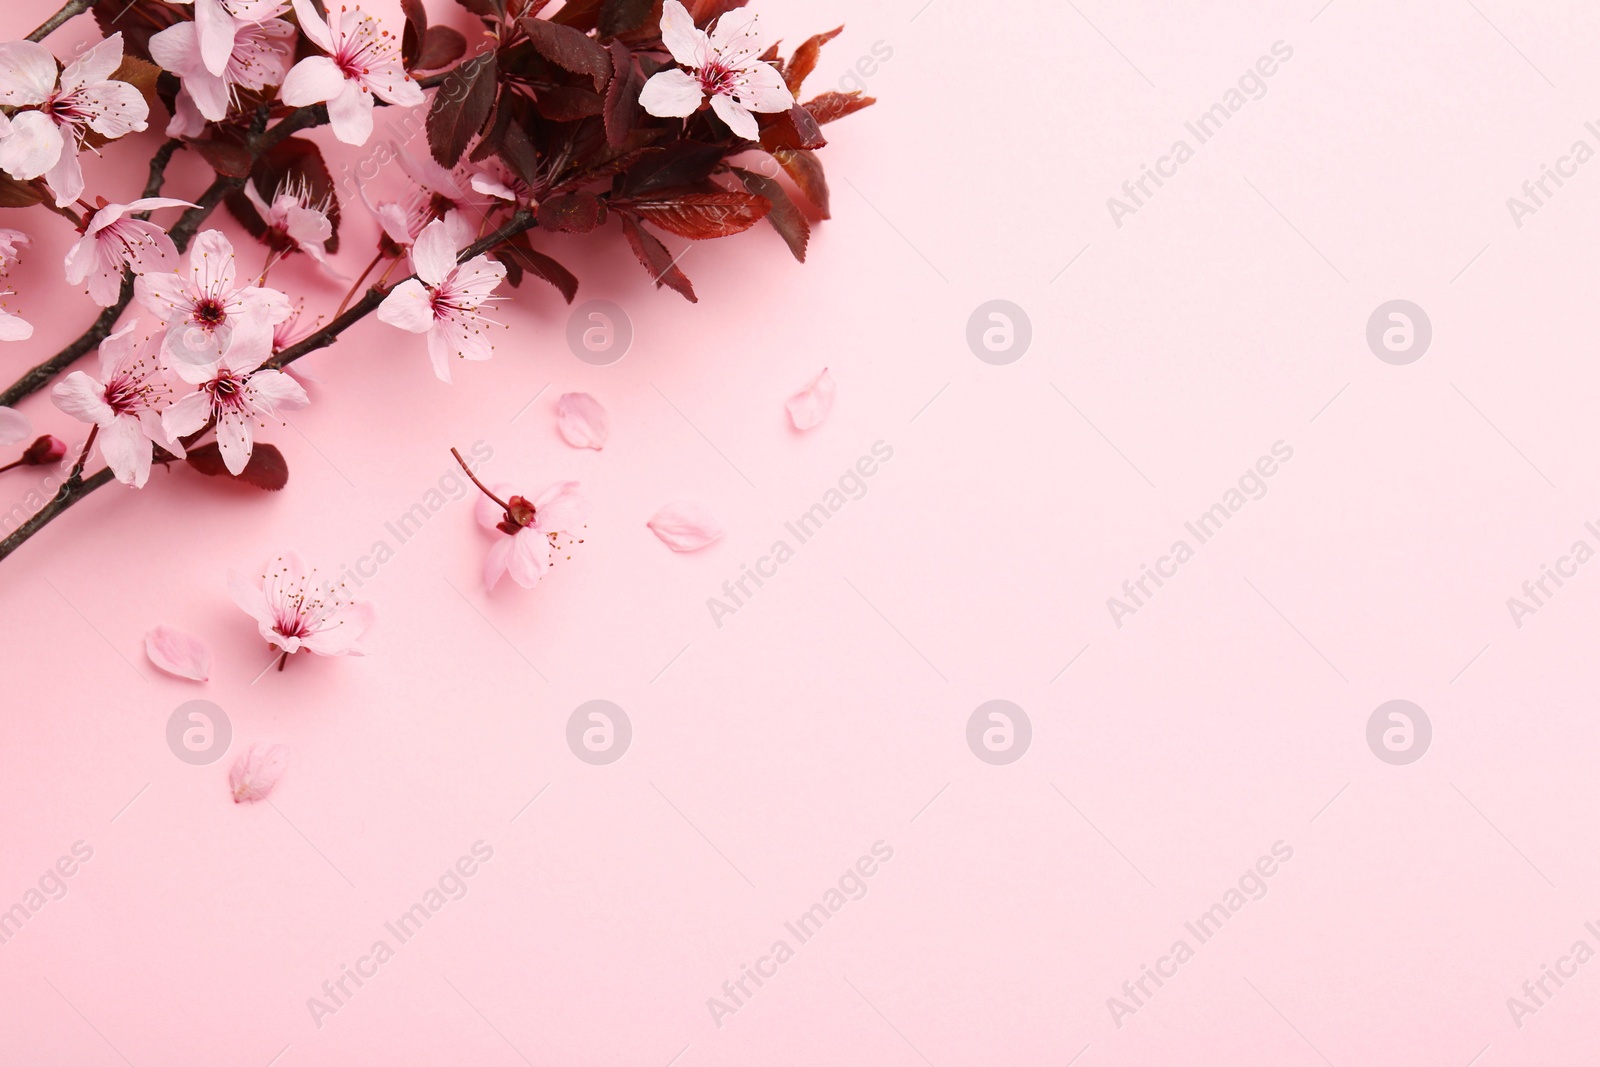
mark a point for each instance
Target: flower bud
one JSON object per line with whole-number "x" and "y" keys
{"x": 47, "y": 449}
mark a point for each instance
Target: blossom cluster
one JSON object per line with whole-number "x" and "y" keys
{"x": 556, "y": 120}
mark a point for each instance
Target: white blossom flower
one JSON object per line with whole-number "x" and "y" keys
{"x": 725, "y": 65}
{"x": 442, "y": 301}
{"x": 362, "y": 61}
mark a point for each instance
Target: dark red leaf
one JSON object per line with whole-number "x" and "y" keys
{"x": 494, "y": 9}
{"x": 706, "y": 10}
{"x": 794, "y": 128}
{"x": 806, "y": 170}
{"x": 574, "y": 213}
{"x": 266, "y": 469}
{"x": 460, "y": 108}
{"x": 568, "y": 103}
{"x": 226, "y": 158}
{"x": 680, "y": 164}
{"x": 542, "y": 266}
{"x": 623, "y": 16}
{"x": 442, "y": 47}
{"x": 19, "y": 194}
{"x": 657, "y": 260}
{"x": 804, "y": 60}
{"x": 622, "y": 95}
{"x": 138, "y": 20}
{"x": 416, "y": 30}
{"x": 829, "y": 106}
{"x": 785, "y": 217}
{"x": 569, "y": 49}
{"x": 701, "y": 216}
{"x": 581, "y": 15}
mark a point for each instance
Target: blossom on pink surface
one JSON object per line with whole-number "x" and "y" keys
{"x": 237, "y": 394}
{"x": 294, "y": 219}
{"x": 295, "y": 611}
{"x": 726, "y": 66}
{"x": 258, "y": 56}
{"x": 256, "y": 772}
{"x": 178, "y": 653}
{"x": 121, "y": 404}
{"x": 582, "y": 420}
{"x": 111, "y": 241}
{"x": 530, "y": 528}
{"x": 811, "y": 406}
{"x": 443, "y": 300}
{"x": 45, "y": 139}
{"x": 363, "y": 61}
{"x": 205, "y": 313}
{"x": 685, "y": 526}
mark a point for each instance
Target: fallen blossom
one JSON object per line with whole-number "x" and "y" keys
{"x": 685, "y": 526}
{"x": 531, "y": 529}
{"x": 294, "y": 610}
{"x": 178, "y": 653}
{"x": 812, "y": 405}
{"x": 256, "y": 772}
{"x": 582, "y": 421}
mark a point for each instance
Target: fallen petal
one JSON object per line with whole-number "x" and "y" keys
{"x": 583, "y": 422}
{"x": 256, "y": 772}
{"x": 811, "y": 405}
{"x": 178, "y": 653}
{"x": 685, "y": 526}
{"x": 14, "y": 426}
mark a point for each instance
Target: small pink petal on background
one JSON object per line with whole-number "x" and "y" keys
{"x": 256, "y": 772}
{"x": 812, "y": 405}
{"x": 685, "y": 526}
{"x": 178, "y": 653}
{"x": 584, "y": 423}
{"x": 14, "y": 426}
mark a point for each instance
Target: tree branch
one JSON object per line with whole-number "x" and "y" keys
{"x": 72, "y": 10}
{"x": 69, "y": 494}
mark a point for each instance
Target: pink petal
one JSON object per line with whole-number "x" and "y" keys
{"x": 178, "y": 653}
{"x": 811, "y": 405}
{"x": 486, "y": 511}
{"x": 14, "y": 426}
{"x": 685, "y": 526}
{"x": 583, "y": 422}
{"x": 256, "y": 772}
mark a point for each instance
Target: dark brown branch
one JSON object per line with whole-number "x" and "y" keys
{"x": 69, "y": 494}
{"x": 72, "y": 10}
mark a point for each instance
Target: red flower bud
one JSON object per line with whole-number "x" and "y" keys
{"x": 47, "y": 449}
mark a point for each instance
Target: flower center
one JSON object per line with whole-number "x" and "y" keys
{"x": 716, "y": 78}
{"x": 209, "y": 313}
{"x": 519, "y": 515}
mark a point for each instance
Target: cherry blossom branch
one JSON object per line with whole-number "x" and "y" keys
{"x": 70, "y": 11}
{"x": 76, "y": 489}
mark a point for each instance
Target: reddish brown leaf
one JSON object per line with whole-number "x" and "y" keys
{"x": 701, "y": 216}
{"x": 785, "y": 217}
{"x": 226, "y": 158}
{"x": 137, "y": 20}
{"x": 706, "y": 10}
{"x": 440, "y": 48}
{"x": 416, "y": 30}
{"x": 542, "y": 266}
{"x": 622, "y": 95}
{"x": 806, "y": 171}
{"x": 569, "y": 49}
{"x": 460, "y": 108}
{"x": 574, "y": 213}
{"x": 624, "y": 16}
{"x": 830, "y": 106}
{"x": 794, "y": 128}
{"x": 266, "y": 469}
{"x": 804, "y": 60}
{"x": 18, "y": 194}
{"x": 568, "y": 103}
{"x": 657, "y": 260}
{"x": 677, "y": 166}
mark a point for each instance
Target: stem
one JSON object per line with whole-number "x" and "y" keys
{"x": 12, "y": 465}
{"x": 357, "y": 284}
{"x": 83, "y": 457}
{"x": 483, "y": 488}
{"x": 68, "y": 495}
{"x": 72, "y": 10}
{"x": 282, "y": 660}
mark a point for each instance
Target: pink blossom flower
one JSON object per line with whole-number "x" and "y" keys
{"x": 404, "y": 220}
{"x": 294, "y": 611}
{"x": 531, "y": 530}
{"x": 443, "y": 300}
{"x": 217, "y": 24}
{"x": 237, "y": 394}
{"x": 45, "y": 139}
{"x": 294, "y": 220}
{"x": 112, "y": 241}
{"x": 258, "y": 56}
{"x": 121, "y": 403}
{"x": 12, "y": 327}
{"x": 206, "y": 313}
{"x": 726, "y": 65}
{"x": 362, "y": 61}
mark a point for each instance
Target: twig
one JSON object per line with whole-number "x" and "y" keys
{"x": 72, "y": 10}
{"x": 68, "y": 495}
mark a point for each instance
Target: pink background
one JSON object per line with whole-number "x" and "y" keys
{"x": 769, "y": 754}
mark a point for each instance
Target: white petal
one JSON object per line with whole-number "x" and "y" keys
{"x": 27, "y": 73}
{"x": 739, "y": 120}
{"x": 235, "y": 440}
{"x": 560, "y": 509}
{"x": 127, "y": 450}
{"x": 582, "y": 421}
{"x": 685, "y": 526}
{"x": 32, "y": 146}
{"x": 811, "y": 405}
{"x": 257, "y": 770}
{"x": 95, "y": 65}
{"x": 82, "y": 397}
{"x": 433, "y": 256}
{"x": 186, "y": 415}
{"x": 350, "y": 114}
{"x": 178, "y": 652}
{"x": 312, "y": 81}
{"x": 14, "y": 328}
{"x": 217, "y": 30}
{"x": 14, "y": 426}
{"x": 688, "y": 44}
{"x": 312, "y": 25}
{"x": 671, "y": 94}
{"x": 409, "y": 307}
